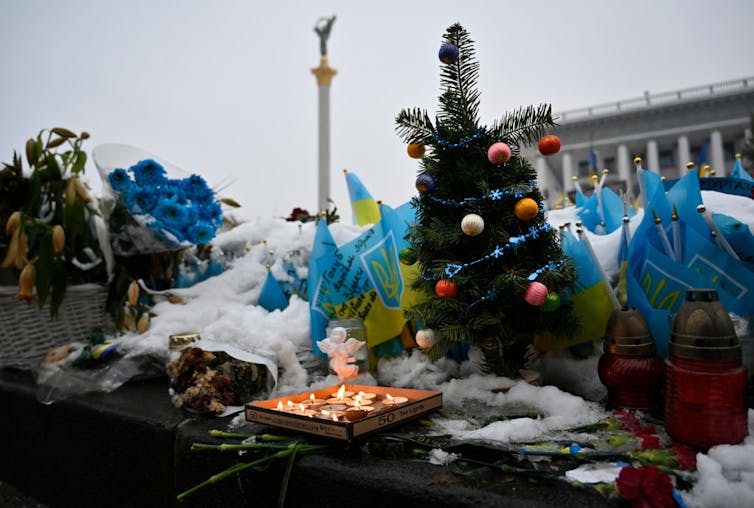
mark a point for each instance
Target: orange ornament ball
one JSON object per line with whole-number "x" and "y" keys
{"x": 549, "y": 144}
{"x": 415, "y": 150}
{"x": 446, "y": 288}
{"x": 526, "y": 209}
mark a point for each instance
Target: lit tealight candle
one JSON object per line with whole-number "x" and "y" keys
{"x": 333, "y": 407}
{"x": 280, "y": 406}
{"x": 330, "y": 415}
{"x": 366, "y": 395}
{"x": 341, "y": 393}
{"x": 313, "y": 402}
{"x": 389, "y": 400}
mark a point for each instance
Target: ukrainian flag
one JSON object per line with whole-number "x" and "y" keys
{"x": 590, "y": 297}
{"x": 365, "y": 208}
{"x": 363, "y": 278}
{"x": 739, "y": 172}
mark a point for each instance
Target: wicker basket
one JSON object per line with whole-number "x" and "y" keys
{"x": 28, "y": 333}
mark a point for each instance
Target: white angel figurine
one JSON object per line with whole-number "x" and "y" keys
{"x": 340, "y": 353}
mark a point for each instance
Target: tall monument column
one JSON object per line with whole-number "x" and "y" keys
{"x": 324, "y": 74}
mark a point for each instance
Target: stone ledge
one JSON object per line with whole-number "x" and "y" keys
{"x": 131, "y": 448}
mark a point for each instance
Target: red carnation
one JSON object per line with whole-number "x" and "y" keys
{"x": 646, "y": 487}
{"x": 685, "y": 456}
{"x": 628, "y": 420}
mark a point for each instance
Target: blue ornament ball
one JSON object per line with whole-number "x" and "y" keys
{"x": 448, "y": 53}
{"x": 425, "y": 183}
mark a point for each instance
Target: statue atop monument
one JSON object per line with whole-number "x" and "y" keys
{"x": 322, "y": 28}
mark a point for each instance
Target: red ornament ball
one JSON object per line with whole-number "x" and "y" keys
{"x": 549, "y": 144}
{"x": 499, "y": 153}
{"x": 415, "y": 150}
{"x": 536, "y": 294}
{"x": 446, "y": 288}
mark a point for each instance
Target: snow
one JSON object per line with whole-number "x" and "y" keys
{"x": 224, "y": 309}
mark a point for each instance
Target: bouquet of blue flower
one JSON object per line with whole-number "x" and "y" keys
{"x": 155, "y": 213}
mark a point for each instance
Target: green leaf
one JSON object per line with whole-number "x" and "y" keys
{"x": 53, "y": 169}
{"x": 59, "y": 284}
{"x": 44, "y": 265}
{"x": 78, "y": 165}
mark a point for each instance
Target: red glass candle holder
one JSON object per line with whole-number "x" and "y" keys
{"x": 629, "y": 366}
{"x": 705, "y": 381}
{"x": 705, "y": 401}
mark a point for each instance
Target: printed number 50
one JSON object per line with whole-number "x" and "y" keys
{"x": 388, "y": 418}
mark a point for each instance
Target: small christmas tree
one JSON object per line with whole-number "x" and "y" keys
{"x": 491, "y": 267}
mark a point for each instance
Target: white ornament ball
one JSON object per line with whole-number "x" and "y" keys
{"x": 426, "y": 338}
{"x": 472, "y": 224}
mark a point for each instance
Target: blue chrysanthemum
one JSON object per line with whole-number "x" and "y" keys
{"x": 141, "y": 200}
{"x": 119, "y": 180}
{"x": 196, "y": 189}
{"x": 148, "y": 172}
{"x": 201, "y": 232}
{"x": 173, "y": 215}
{"x": 212, "y": 213}
{"x": 173, "y": 189}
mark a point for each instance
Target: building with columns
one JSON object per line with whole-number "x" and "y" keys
{"x": 707, "y": 123}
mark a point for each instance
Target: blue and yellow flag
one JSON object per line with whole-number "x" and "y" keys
{"x": 365, "y": 208}
{"x": 272, "y": 296}
{"x": 739, "y": 171}
{"x": 363, "y": 278}
{"x": 607, "y": 208}
{"x": 657, "y": 281}
{"x": 591, "y": 300}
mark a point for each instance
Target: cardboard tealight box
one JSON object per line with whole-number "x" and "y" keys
{"x": 345, "y": 412}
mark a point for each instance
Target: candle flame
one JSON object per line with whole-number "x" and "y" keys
{"x": 357, "y": 405}
{"x": 325, "y": 412}
{"x": 290, "y": 404}
{"x": 361, "y": 394}
{"x": 341, "y": 391}
{"x": 301, "y": 407}
{"x": 388, "y": 396}
{"x": 280, "y": 405}
{"x": 311, "y": 397}
{"x": 334, "y": 418}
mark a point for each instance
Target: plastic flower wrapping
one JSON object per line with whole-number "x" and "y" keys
{"x": 155, "y": 213}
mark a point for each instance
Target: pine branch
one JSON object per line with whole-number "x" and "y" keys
{"x": 414, "y": 126}
{"x": 459, "y": 104}
{"x": 523, "y": 126}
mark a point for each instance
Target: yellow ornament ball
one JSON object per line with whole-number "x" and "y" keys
{"x": 526, "y": 209}
{"x": 415, "y": 150}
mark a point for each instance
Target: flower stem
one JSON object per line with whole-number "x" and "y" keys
{"x": 293, "y": 448}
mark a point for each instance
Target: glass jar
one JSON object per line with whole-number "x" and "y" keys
{"x": 629, "y": 366}
{"x": 705, "y": 379}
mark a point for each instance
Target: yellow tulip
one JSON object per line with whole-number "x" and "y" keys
{"x": 15, "y": 256}
{"x": 58, "y": 238}
{"x": 133, "y": 293}
{"x": 143, "y": 324}
{"x": 14, "y": 221}
{"x": 128, "y": 321}
{"x": 26, "y": 283}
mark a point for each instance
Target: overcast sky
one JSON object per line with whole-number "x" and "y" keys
{"x": 224, "y": 88}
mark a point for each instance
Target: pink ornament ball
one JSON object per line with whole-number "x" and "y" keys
{"x": 499, "y": 153}
{"x": 536, "y": 294}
